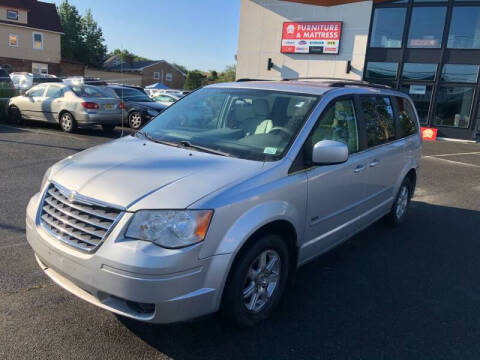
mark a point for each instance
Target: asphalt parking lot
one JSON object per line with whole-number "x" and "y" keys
{"x": 407, "y": 293}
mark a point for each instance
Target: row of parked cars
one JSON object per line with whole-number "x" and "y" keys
{"x": 84, "y": 102}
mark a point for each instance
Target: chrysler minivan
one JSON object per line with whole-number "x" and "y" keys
{"x": 217, "y": 201}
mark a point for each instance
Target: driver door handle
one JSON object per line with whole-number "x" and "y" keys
{"x": 374, "y": 163}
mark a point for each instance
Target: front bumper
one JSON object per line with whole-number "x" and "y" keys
{"x": 132, "y": 278}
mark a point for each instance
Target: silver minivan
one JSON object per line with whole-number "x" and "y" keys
{"x": 217, "y": 201}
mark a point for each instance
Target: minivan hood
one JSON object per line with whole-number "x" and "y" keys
{"x": 135, "y": 174}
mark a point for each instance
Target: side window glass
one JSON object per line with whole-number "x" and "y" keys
{"x": 37, "y": 91}
{"x": 378, "y": 118}
{"x": 338, "y": 123}
{"x": 54, "y": 92}
{"x": 406, "y": 118}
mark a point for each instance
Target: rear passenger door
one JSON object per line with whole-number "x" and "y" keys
{"x": 385, "y": 153}
{"x": 53, "y": 102}
{"x": 336, "y": 193}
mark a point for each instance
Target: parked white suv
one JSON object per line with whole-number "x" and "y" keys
{"x": 219, "y": 199}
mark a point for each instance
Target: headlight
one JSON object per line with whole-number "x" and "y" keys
{"x": 45, "y": 177}
{"x": 170, "y": 228}
{"x": 152, "y": 113}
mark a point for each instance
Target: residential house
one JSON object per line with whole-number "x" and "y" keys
{"x": 30, "y": 33}
{"x": 151, "y": 71}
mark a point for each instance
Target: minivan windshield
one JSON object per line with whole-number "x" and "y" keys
{"x": 245, "y": 123}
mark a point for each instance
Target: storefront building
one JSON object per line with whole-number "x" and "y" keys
{"x": 427, "y": 49}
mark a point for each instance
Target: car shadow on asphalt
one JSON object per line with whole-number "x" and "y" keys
{"x": 385, "y": 293}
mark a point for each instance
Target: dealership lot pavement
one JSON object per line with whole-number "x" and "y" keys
{"x": 408, "y": 293}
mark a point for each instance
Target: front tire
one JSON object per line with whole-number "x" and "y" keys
{"x": 135, "y": 120}
{"x": 67, "y": 122}
{"x": 257, "y": 281}
{"x": 402, "y": 201}
{"x": 14, "y": 115}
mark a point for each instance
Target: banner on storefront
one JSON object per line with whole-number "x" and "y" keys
{"x": 320, "y": 37}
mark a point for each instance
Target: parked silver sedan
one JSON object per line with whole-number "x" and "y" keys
{"x": 68, "y": 105}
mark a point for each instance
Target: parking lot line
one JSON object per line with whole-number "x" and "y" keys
{"x": 455, "y": 154}
{"x": 451, "y": 161}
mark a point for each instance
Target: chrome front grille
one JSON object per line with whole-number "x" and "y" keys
{"x": 79, "y": 222}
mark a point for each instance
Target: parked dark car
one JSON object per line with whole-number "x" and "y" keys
{"x": 139, "y": 108}
{"x": 7, "y": 90}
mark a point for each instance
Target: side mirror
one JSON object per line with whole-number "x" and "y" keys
{"x": 327, "y": 152}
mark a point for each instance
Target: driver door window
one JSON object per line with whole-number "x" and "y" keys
{"x": 338, "y": 123}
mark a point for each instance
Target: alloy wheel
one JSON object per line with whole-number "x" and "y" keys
{"x": 135, "y": 120}
{"x": 261, "y": 280}
{"x": 66, "y": 122}
{"x": 402, "y": 202}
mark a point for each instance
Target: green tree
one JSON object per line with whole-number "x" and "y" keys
{"x": 82, "y": 38}
{"x": 72, "y": 42}
{"x": 95, "y": 49}
{"x": 194, "y": 80}
{"x": 228, "y": 75}
{"x": 127, "y": 56}
{"x": 213, "y": 77}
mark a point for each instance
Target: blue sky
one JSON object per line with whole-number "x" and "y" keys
{"x": 199, "y": 34}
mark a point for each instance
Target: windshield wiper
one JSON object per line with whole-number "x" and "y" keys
{"x": 163, "y": 142}
{"x": 189, "y": 145}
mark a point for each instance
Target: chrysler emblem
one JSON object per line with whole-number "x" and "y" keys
{"x": 71, "y": 197}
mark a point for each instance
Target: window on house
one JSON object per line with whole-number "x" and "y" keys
{"x": 12, "y": 14}
{"x": 156, "y": 75}
{"x": 39, "y": 68}
{"x": 37, "y": 41}
{"x": 168, "y": 77}
{"x": 13, "y": 40}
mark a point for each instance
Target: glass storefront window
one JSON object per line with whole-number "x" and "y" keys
{"x": 387, "y": 27}
{"x": 453, "y": 106}
{"x": 421, "y": 96}
{"x": 426, "y": 27}
{"x": 459, "y": 73}
{"x": 385, "y": 72}
{"x": 417, "y": 71}
{"x": 465, "y": 28}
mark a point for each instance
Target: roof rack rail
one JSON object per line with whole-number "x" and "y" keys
{"x": 247, "y": 79}
{"x": 342, "y": 82}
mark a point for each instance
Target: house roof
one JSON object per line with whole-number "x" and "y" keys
{"x": 138, "y": 66}
{"x": 134, "y": 66}
{"x": 41, "y": 15}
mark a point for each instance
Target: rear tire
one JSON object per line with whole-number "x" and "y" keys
{"x": 108, "y": 127}
{"x": 67, "y": 122}
{"x": 256, "y": 281}
{"x": 400, "y": 206}
{"x": 135, "y": 120}
{"x": 14, "y": 115}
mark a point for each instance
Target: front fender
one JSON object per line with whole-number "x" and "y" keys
{"x": 255, "y": 218}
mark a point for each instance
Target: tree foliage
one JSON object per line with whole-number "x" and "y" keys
{"x": 127, "y": 56}
{"x": 82, "y": 38}
{"x": 228, "y": 75}
{"x": 194, "y": 80}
